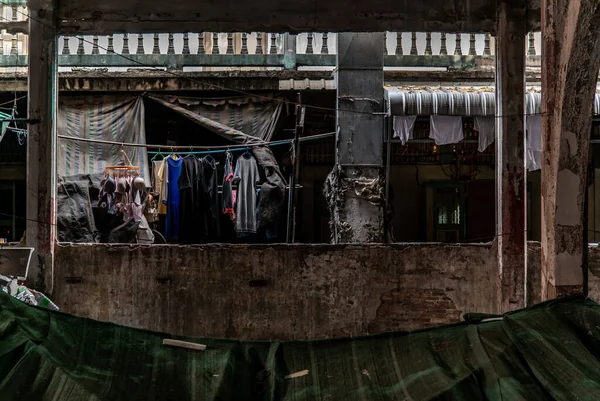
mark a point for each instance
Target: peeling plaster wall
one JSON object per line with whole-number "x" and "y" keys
{"x": 275, "y": 292}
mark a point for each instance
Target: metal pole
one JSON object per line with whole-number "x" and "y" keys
{"x": 585, "y": 265}
{"x": 288, "y": 237}
{"x": 300, "y": 110}
{"x": 387, "y": 132}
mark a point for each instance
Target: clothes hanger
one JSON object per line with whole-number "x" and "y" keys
{"x": 191, "y": 154}
{"x": 157, "y": 154}
{"x": 211, "y": 160}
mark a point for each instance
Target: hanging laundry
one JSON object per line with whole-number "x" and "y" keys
{"x": 106, "y": 199}
{"x": 189, "y": 202}
{"x": 198, "y": 201}
{"x": 247, "y": 177}
{"x": 150, "y": 209}
{"x": 137, "y": 208}
{"x": 172, "y": 200}
{"x": 446, "y": 130}
{"x": 486, "y": 127}
{"x": 144, "y": 232}
{"x": 157, "y": 179}
{"x": 164, "y": 190}
{"x": 234, "y": 203}
{"x": 210, "y": 199}
{"x": 534, "y": 143}
{"x": 404, "y": 127}
{"x": 227, "y": 180}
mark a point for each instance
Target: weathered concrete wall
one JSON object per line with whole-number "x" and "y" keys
{"x": 594, "y": 274}
{"x": 534, "y": 276}
{"x": 280, "y": 291}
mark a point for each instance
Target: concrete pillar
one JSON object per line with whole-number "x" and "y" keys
{"x": 570, "y": 64}
{"x": 355, "y": 187}
{"x": 41, "y": 142}
{"x": 510, "y": 154}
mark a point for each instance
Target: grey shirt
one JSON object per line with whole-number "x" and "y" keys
{"x": 247, "y": 177}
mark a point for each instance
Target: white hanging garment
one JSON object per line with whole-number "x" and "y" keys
{"x": 534, "y": 143}
{"x": 486, "y": 127}
{"x": 446, "y": 130}
{"x": 404, "y": 127}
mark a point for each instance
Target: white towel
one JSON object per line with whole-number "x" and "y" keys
{"x": 534, "y": 143}
{"x": 486, "y": 127}
{"x": 404, "y": 127}
{"x": 446, "y": 130}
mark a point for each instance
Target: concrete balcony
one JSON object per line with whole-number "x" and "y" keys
{"x": 249, "y": 61}
{"x": 212, "y": 51}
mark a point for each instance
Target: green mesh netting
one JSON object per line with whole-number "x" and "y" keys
{"x": 549, "y": 352}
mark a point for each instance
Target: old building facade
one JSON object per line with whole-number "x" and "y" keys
{"x": 354, "y": 186}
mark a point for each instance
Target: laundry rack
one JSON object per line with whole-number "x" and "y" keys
{"x": 127, "y": 169}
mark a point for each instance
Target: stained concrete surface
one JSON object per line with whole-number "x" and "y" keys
{"x": 276, "y": 292}
{"x": 265, "y": 292}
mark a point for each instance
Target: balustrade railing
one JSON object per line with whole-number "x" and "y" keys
{"x": 256, "y": 49}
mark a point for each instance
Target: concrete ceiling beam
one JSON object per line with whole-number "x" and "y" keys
{"x": 110, "y": 16}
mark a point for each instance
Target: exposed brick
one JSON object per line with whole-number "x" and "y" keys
{"x": 414, "y": 308}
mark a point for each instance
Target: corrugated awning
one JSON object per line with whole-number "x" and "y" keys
{"x": 456, "y": 101}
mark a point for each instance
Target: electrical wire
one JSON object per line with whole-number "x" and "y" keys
{"x": 81, "y": 38}
{"x": 12, "y": 101}
{"x": 175, "y": 74}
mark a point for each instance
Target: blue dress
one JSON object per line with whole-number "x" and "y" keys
{"x": 174, "y": 171}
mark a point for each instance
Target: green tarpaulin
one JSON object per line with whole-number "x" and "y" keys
{"x": 549, "y": 352}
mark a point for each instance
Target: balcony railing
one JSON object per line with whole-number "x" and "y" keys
{"x": 210, "y": 50}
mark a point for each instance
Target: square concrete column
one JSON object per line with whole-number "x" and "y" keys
{"x": 41, "y": 142}
{"x": 510, "y": 155}
{"x": 570, "y": 64}
{"x": 354, "y": 189}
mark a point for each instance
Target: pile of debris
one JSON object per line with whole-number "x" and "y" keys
{"x": 12, "y": 287}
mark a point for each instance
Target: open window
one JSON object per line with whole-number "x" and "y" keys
{"x": 447, "y": 213}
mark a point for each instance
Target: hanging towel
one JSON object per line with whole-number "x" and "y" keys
{"x": 534, "y": 143}
{"x": 446, "y": 130}
{"x": 486, "y": 127}
{"x": 404, "y": 127}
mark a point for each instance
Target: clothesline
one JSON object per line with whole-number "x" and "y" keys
{"x": 208, "y": 149}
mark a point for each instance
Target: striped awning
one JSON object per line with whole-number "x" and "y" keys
{"x": 457, "y": 101}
